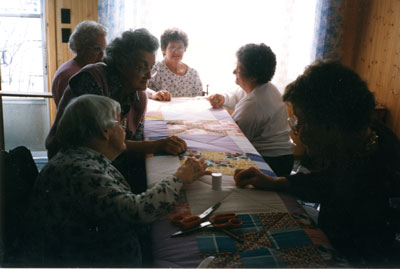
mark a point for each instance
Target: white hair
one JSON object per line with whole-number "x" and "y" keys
{"x": 85, "y": 118}
{"x": 85, "y": 34}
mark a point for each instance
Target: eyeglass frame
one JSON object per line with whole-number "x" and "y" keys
{"x": 122, "y": 123}
{"x": 173, "y": 49}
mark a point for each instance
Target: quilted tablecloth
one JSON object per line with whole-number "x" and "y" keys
{"x": 276, "y": 231}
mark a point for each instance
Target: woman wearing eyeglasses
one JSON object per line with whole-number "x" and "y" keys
{"x": 123, "y": 76}
{"x": 355, "y": 164}
{"x": 83, "y": 212}
{"x": 172, "y": 77}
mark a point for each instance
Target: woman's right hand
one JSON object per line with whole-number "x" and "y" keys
{"x": 161, "y": 96}
{"x": 192, "y": 170}
{"x": 216, "y": 100}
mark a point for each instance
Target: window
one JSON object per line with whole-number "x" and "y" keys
{"x": 22, "y": 52}
{"x": 216, "y": 30}
{"x": 21, "y": 46}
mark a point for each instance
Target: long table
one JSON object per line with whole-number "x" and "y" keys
{"x": 276, "y": 231}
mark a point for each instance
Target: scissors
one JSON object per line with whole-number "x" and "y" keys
{"x": 226, "y": 220}
{"x": 190, "y": 222}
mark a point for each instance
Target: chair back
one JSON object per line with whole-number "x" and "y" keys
{"x": 18, "y": 176}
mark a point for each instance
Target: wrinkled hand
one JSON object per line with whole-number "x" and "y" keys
{"x": 254, "y": 177}
{"x": 162, "y": 96}
{"x": 173, "y": 145}
{"x": 216, "y": 100}
{"x": 192, "y": 170}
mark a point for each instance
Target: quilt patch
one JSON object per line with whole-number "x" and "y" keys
{"x": 221, "y": 162}
{"x": 200, "y": 127}
{"x": 269, "y": 240}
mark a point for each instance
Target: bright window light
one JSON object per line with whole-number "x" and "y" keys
{"x": 217, "y": 29}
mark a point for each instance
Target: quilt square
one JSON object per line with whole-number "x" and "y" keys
{"x": 201, "y": 127}
{"x": 221, "y": 162}
{"x": 215, "y": 244}
{"x": 260, "y": 258}
{"x": 289, "y": 238}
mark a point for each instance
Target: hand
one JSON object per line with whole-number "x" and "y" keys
{"x": 254, "y": 177}
{"x": 173, "y": 145}
{"x": 161, "y": 96}
{"x": 192, "y": 170}
{"x": 216, "y": 100}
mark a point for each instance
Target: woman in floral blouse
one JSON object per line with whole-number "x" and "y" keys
{"x": 83, "y": 212}
{"x": 171, "y": 76}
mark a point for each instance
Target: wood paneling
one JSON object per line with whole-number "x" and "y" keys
{"x": 58, "y": 52}
{"x": 372, "y": 48}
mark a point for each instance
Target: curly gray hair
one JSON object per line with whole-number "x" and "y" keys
{"x": 85, "y": 34}
{"x": 123, "y": 50}
{"x": 85, "y": 118}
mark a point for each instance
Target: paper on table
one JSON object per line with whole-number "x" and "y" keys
{"x": 200, "y": 195}
{"x": 158, "y": 167}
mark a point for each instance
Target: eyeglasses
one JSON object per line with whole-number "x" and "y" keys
{"x": 294, "y": 124}
{"x": 123, "y": 123}
{"x": 143, "y": 69}
{"x": 180, "y": 49}
{"x": 97, "y": 49}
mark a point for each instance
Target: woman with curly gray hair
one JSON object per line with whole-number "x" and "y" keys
{"x": 259, "y": 109}
{"x": 87, "y": 42}
{"x": 123, "y": 76}
{"x": 172, "y": 76}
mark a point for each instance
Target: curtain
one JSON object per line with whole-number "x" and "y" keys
{"x": 328, "y": 32}
{"x": 111, "y": 14}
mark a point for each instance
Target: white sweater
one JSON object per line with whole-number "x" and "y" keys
{"x": 262, "y": 117}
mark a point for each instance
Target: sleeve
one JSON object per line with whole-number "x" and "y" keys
{"x": 231, "y": 99}
{"x": 248, "y": 119}
{"x": 113, "y": 200}
{"x": 313, "y": 187}
{"x": 84, "y": 83}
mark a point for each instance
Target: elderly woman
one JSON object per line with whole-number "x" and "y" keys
{"x": 87, "y": 42}
{"x": 123, "y": 76}
{"x": 83, "y": 212}
{"x": 259, "y": 110}
{"x": 173, "y": 77}
{"x": 356, "y": 169}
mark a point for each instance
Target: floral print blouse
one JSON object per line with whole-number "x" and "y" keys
{"x": 188, "y": 85}
{"x": 83, "y": 212}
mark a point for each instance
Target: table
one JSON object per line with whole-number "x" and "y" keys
{"x": 276, "y": 230}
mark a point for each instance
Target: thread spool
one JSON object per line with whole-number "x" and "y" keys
{"x": 216, "y": 181}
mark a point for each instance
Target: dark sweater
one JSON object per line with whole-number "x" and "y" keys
{"x": 355, "y": 212}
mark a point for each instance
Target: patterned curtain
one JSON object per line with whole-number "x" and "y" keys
{"x": 328, "y": 36}
{"x": 111, "y": 14}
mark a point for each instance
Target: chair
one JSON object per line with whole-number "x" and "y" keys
{"x": 17, "y": 176}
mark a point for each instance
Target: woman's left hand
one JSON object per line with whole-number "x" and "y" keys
{"x": 192, "y": 170}
{"x": 254, "y": 177}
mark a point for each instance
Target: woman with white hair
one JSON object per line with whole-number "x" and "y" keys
{"x": 87, "y": 42}
{"x": 83, "y": 212}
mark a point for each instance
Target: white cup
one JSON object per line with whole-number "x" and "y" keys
{"x": 216, "y": 181}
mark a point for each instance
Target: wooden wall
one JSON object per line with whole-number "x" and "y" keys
{"x": 57, "y": 51}
{"x": 372, "y": 48}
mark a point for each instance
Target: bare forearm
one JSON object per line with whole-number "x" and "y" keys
{"x": 146, "y": 147}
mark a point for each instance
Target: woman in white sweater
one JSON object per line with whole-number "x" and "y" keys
{"x": 258, "y": 107}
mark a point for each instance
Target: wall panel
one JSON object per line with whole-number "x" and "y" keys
{"x": 372, "y": 48}
{"x": 58, "y": 52}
